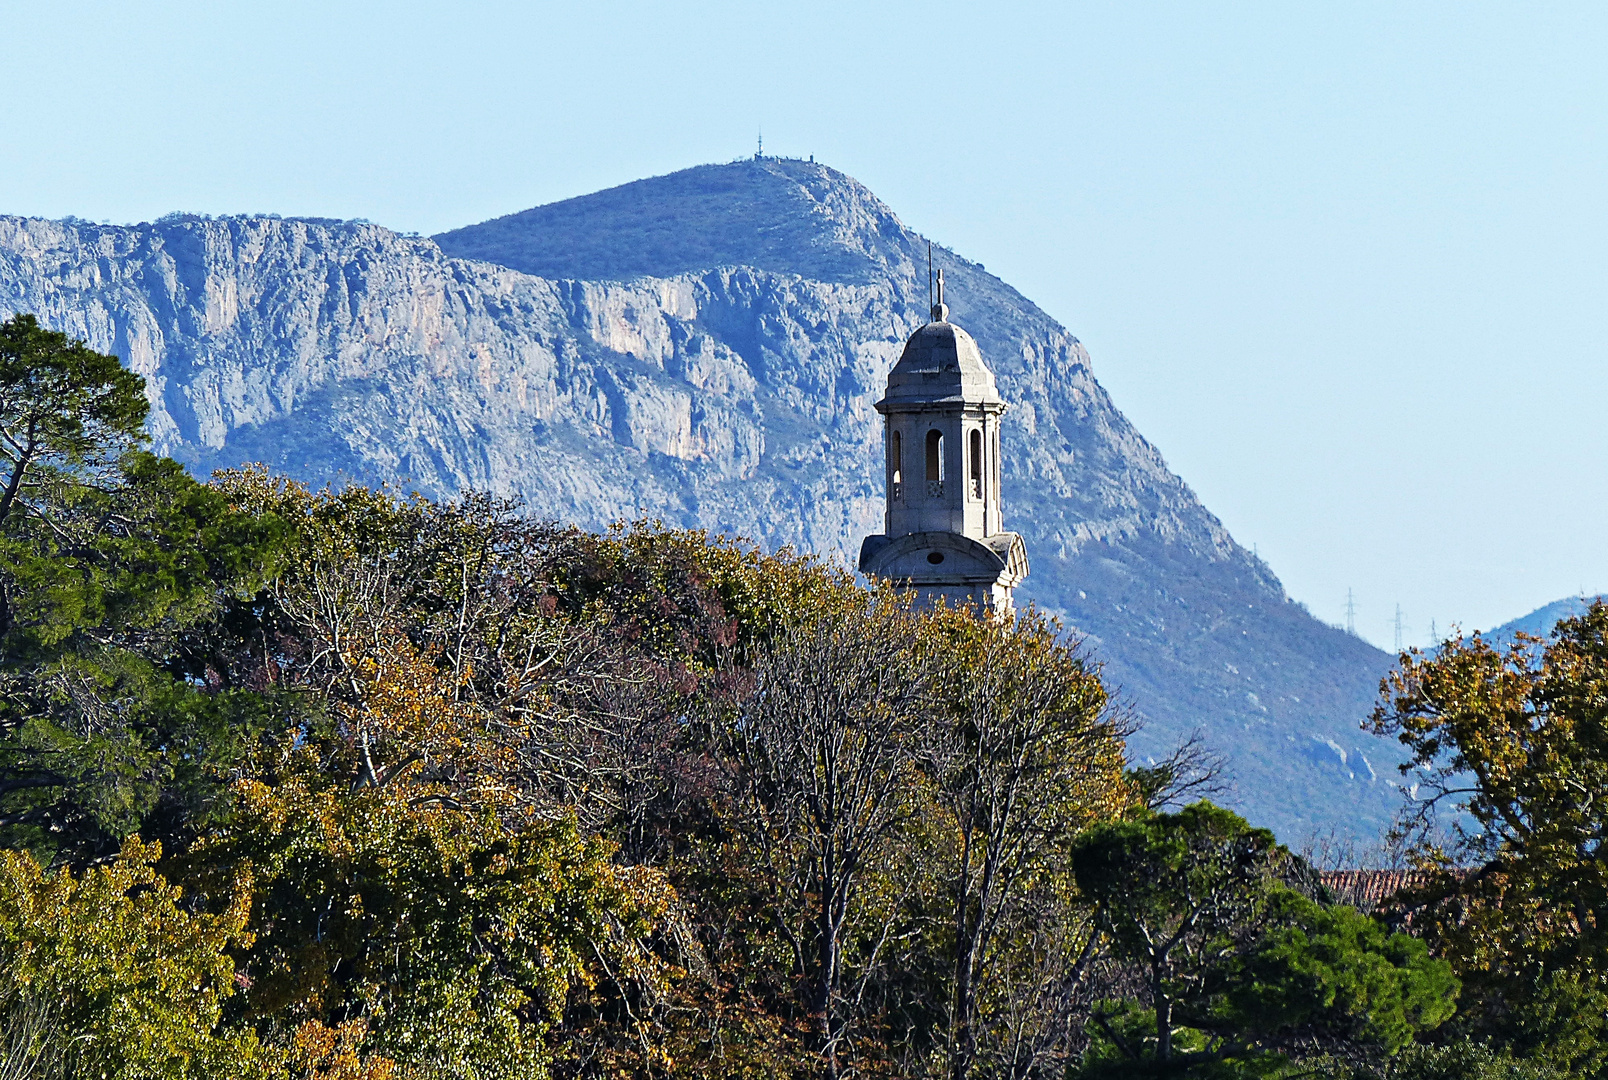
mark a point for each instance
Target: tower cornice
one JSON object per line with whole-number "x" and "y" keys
{"x": 948, "y": 406}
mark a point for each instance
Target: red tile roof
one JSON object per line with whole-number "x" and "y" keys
{"x": 1370, "y": 889}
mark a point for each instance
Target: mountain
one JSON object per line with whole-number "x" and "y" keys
{"x": 705, "y": 348}
{"x": 1539, "y": 623}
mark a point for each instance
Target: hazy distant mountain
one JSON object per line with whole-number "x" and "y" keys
{"x": 1539, "y": 623}
{"x": 705, "y": 347}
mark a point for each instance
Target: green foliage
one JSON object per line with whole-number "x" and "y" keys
{"x": 1461, "y": 1060}
{"x": 1237, "y": 966}
{"x": 1175, "y": 881}
{"x": 108, "y": 974}
{"x": 456, "y": 940}
{"x": 1178, "y": 893}
{"x": 65, "y": 411}
{"x": 1336, "y": 972}
{"x": 112, "y": 563}
{"x": 144, "y": 550}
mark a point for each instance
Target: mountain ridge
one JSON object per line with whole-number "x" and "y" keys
{"x": 1540, "y": 622}
{"x": 728, "y": 396}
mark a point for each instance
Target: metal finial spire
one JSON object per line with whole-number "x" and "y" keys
{"x": 940, "y": 310}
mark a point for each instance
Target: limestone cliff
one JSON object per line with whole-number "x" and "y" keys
{"x": 705, "y": 348}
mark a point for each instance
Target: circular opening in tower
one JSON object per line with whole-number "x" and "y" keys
{"x": 935, "y": 557}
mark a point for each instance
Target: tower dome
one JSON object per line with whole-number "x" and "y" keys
{"x": 944, "y": 532}
{"x": 941, "y": 362}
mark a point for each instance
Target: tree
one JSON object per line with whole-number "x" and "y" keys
{"x": 1024, "y": 754}
{"x": 1517, "y": 740}
{"x": 66, "y": 413}
{"x": 457, "y": 940}
{"x": 108, "y": 974}
{"x": 1232, "y": 960}
{"x": 538, "y": 672}
{"x": 824, "y": 753}
{"x": 1459, "y": 1060}
{"x": 114, "y": 566}
{"x": 581, "y": 651}
{"x": 1331, "y": 977}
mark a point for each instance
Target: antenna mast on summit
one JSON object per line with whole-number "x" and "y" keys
{"x": 1351, "y": 615}
{"x": 1398, "y": 628}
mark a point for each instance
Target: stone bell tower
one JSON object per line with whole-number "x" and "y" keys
{"x": 944, "y": 532}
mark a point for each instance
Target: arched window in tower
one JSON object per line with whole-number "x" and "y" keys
{"x": 935, "y": 463}
{"x": 896, "y": 468}
{"x": 976, "y": 464}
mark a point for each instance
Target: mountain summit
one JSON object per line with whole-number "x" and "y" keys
{"x": 778, "y": 215}
{"x": 706, "y": 348}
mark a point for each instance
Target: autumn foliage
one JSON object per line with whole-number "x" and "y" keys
{"x": 356, "y": 785}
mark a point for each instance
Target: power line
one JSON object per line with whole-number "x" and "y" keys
{"x": 1398, "y": 628}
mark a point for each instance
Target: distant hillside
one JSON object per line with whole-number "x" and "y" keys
{"x": 1540, "y": 622}
{"x": 705, "y": 348}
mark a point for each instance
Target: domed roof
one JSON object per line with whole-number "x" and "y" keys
{"x": 941, "y": 363}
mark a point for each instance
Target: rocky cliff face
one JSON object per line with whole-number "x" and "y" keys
{"x": 706, "y": 348}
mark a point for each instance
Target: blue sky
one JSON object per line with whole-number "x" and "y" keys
{"x": 1346, "y": 265}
